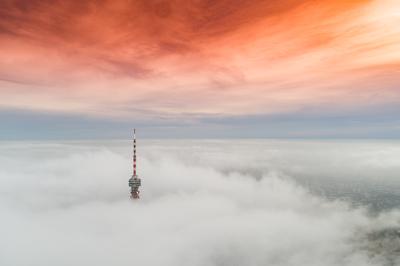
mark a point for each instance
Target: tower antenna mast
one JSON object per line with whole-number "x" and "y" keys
{"x": 134, "y": 182}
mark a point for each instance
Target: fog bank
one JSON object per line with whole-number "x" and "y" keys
{"x": 204, "y": 204}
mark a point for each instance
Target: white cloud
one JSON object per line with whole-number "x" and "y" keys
{"x": 67, "y": 204}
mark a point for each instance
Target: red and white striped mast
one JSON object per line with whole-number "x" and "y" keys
{"x": 134, "y": 152}
{"x": 134, "y": 181}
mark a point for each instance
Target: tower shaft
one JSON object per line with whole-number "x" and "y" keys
{"x": 134, "y": 182}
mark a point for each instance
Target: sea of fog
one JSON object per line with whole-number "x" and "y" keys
{"x": 204, "y": 202}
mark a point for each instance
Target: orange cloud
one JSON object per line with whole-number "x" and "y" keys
{"x": 182, "y": 58}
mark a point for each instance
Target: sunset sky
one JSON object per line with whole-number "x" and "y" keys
{"x": 197, "y": 68}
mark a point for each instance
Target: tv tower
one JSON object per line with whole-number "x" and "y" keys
{"x": 134, "y": 181}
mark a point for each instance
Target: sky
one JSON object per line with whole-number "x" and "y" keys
{"x": 259, "y": 68}
{"x": 227, "y": 203}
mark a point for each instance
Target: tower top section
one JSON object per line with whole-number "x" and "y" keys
{"x": 134, "y": 152}
{"x": 134, "y": 181}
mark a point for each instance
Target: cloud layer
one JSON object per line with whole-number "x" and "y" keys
{"x": 69, "y": 204}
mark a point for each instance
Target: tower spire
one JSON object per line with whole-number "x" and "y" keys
{"x": 134, "y": 152}
{"x": 134, "y": 182}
